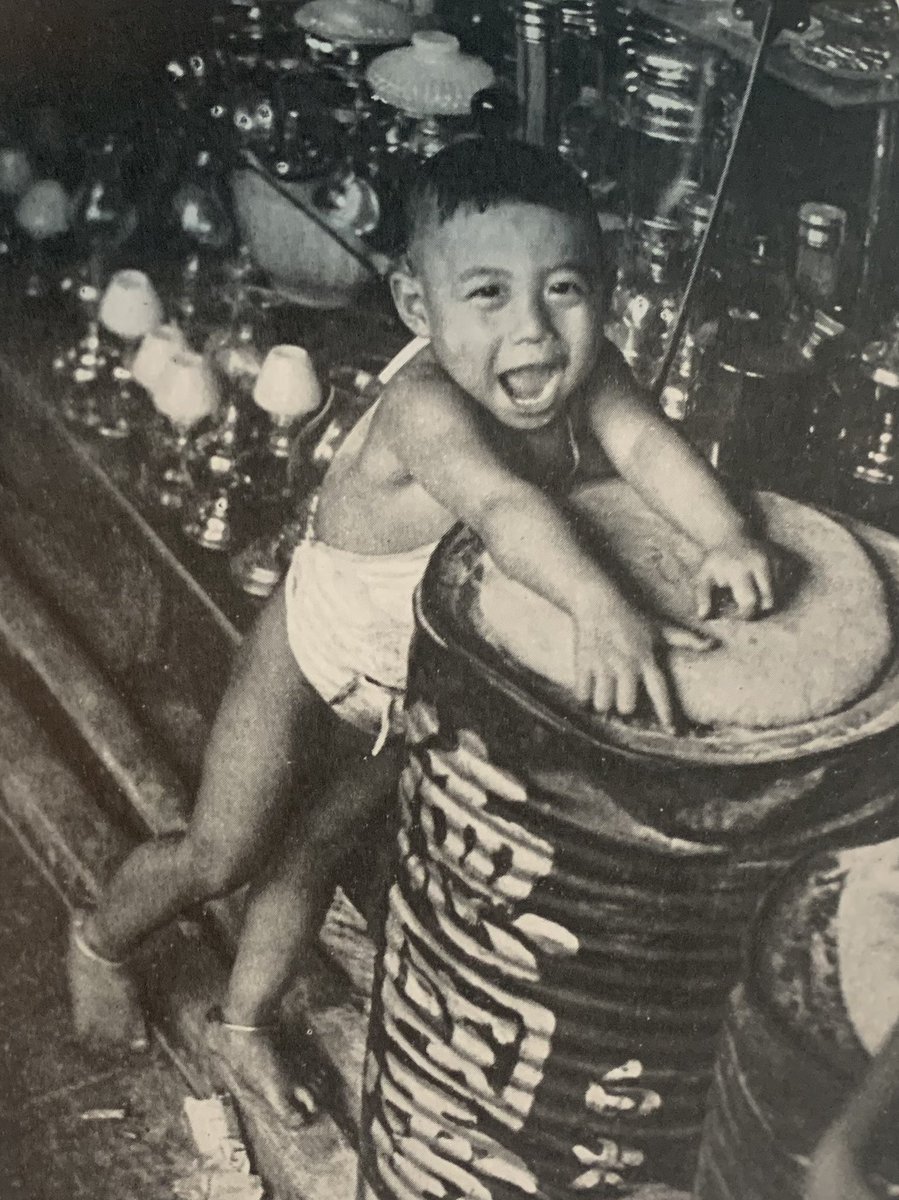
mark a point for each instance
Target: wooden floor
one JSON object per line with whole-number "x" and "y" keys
{"x": 48, "y": 1082}
{"x": 79, "y": 786}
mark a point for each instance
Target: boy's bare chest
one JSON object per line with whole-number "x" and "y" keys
{"x": 550, "y": 457}
{"x": 542, "y": 456}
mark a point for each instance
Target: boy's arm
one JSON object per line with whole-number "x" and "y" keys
{"x": 436, "y": 434}
{"x": 837, "y": 1166}
{"x": 659, "y": 464}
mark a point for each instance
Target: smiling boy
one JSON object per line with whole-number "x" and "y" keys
{"x": 516, "y": 389}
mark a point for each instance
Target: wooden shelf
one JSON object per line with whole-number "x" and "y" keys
{"x": 702, "y": 21}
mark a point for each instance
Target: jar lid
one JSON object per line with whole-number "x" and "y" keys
{"x": 697, "y": 206}
{"x": 821, "y": 226}
{"x": 668, "y": 70}
{"x": 430, "y": 78}
{"x": 880, "y": 359}
{"x": 658, "y": 239}
{"x": 667, "y": 117}
{"x": 356, "y": 22}
{"x": 582, "y": 17}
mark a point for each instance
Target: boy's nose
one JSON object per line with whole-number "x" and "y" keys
{"x": 531, "y": 323}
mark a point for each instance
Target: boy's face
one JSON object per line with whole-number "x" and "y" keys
{"x": 511, "y": 300}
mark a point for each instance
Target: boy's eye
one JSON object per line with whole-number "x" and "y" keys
{"x": 567, "y": 289}
{"x": 486, "y": 292}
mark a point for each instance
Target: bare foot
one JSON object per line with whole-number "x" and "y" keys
{"x": 252, "y": 1054}
{"x": 105, "y": 997}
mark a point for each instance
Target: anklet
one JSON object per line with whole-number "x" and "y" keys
{"x": 90, "y": 953}
{"x": 215, "y": 1015}
{"x": 247, "y": 1029}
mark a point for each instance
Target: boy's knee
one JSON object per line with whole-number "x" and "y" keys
{"x": 218, "y": 870}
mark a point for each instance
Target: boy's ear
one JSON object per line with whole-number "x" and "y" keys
{"x": 408, "y": 296}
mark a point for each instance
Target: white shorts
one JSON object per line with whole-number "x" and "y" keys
{"x": 349, "y": 625}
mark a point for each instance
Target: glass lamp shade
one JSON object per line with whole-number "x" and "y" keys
{"x": 43, "y": 212}
{"x": 430, "y": 78}
{"x": 154, "y": 353}
{"x": 130, "y": 307}
{"x": 356, "y": 22}
{"x": 185, "y": 391}
{"x": 287, "y": 385}
{"x": 15, "y": 172}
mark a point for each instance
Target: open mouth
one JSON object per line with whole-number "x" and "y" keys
{"x": 532, "y": 389}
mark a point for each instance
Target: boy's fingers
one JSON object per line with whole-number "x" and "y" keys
{"x": 687, "y": 639}
{"x": 745, "y": 596}
{"x": 704, "y": 590}
{"x": 584, "y": 683}
{"x": 765, "y": 586}
{"x": 603, "y": 692}
{"x": 626, "y": 693}
{"x": 657, "y": 690}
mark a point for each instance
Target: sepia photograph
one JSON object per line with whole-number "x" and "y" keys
{"x": 449, "y": 599}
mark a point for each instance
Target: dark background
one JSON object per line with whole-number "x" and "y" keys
{"x": 63, "y": 45}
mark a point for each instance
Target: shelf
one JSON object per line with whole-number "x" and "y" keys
{"x": 702, "y": 21}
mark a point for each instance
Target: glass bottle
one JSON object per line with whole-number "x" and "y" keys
{"x": 585, "y": 132}
{"x": 537, "y": 24}
{"x": 758, "y": 298}
{"x": 667, "y": 118}
{"x": 747, "y": 418}
{"x": 818, "y": 331}
{"x": 701, "y": 328}
{"x": 819, "y": 274}
{"x": 868, "y": 467}
{"x": 646, "y": 299}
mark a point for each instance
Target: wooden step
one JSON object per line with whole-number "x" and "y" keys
{"x": 76, "y": 845}
{"x": 70, "y": 814}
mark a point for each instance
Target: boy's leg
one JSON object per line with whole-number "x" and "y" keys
{"x": 268, "y": 720}
{"x": 286, "y": 910}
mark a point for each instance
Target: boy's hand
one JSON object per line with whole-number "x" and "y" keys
{"x": 616, "y": 654}
{"x": 834, "y": 1173}
{"x": 743, "y": 567}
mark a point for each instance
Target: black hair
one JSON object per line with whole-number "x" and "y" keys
{"x": 476, "y": 174}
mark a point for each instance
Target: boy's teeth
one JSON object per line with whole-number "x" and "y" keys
{"x": 528, "y": 383}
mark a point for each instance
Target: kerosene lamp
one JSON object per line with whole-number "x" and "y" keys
{"x": 430, "y": 86}
{"x": 203, "y": 224}
{"x": 42, "y": 217}
{"x": 234, "y": 362}
{"x": 289, "y": 393}
{"x": 184, "y": 394}
{"x": 16, "y": 176}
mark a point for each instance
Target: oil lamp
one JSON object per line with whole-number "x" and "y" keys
{"x": 289, "y": 392}
{"x": 184, "y": 394}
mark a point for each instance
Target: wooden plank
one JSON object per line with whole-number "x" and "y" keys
{"x": 330, "y": 997}
{"x": 47, "y": 805}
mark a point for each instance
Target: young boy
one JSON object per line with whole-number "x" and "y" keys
{"x": 503, "y": 276}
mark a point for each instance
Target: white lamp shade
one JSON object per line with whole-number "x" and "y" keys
{"x": 130, "y": 306}
{"x": 287, "y": 385}
{"x": 43, "y": 212}
{"x": 185, "y": 391}
{"x": 430, "y": 78}
{"x": 154, "y": 354}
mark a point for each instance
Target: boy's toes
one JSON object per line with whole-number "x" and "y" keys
{"x": 252, "y": 1055}
{"x": 105, "y": 997}
{"x": 305, "y": 1102}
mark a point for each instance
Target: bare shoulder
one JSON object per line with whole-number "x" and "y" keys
{"x": 613, "y": 394}
{"x": 422, "y": 403}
